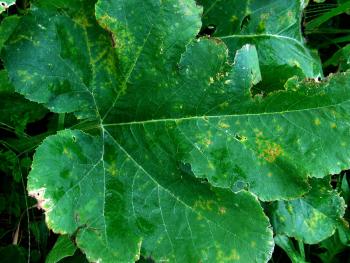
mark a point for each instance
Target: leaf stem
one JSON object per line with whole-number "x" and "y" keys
{"x": 61, "y": 118}
{"x": 301, "y": 249}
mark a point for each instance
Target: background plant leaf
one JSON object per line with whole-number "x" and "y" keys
{"x": 287, "y": 245}
{"x": 340, "y": 59}
{"x": 63, "y": 248}
{"x": 311, "y": 218}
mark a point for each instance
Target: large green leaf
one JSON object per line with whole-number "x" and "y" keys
{"x": 117, "y": 206}
{"x": 165, "y": 122}
{"x": 311, "y": 218}
{"x": 274, "y": 26}
{"x": 175, "y": 109}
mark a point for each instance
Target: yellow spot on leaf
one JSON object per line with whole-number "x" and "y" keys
{"x": 317, "y": 122}
{"x": 222, "y": 210}
{"x": 204, "y": 204}
{"x": 199, "y": 217}
{"x": 224, "y": 125}
{"x": 253, "y": 244}
{"x": 269, "y": 174}
{"x": 314, "y": 220}
{"x": 279, "y": 128}
{"x": 25, "y": 75}
{"x": 112, "y": 169}
{"x": 207, "y": 142}
{"x": 233, "y": 256}
{"x": 333, "y": 125}
{"x": 211, "y": 166}
{"x": 67, "y": 152}
{"x": 258, "y": 133}
{"x": 224, "y": 105}
{"x": 233, "y": 19}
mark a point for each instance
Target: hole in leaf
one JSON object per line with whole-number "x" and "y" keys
{"x": 207, "y": 31}
{"x": 240, "y": 138}
{"x": 334, "y": 181}
{"x": 185, "y": 168}
{"x": 145, "y": 260}
{"x": 240, "y": 185}
{"x": 245, "y": 21}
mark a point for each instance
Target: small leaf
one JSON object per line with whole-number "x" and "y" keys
{"x": 287, "y": 245}
{"x": 341, "y": 58}
{"x": 63, "y": 248}
{"x": 334, "y": 245}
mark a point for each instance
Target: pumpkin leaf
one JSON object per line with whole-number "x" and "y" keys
{"x": 180, "y": 147}
{"x": 311, "y": 218}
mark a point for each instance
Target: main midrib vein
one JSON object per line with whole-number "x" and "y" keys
{"x": 264, "y": 35}
{"x": 206, "y": 117}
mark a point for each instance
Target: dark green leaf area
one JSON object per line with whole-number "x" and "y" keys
{"x": 7, "y": 27}
{"x": 15, "y": 111}
{"x": 311, "y": 218}
{"x": 285, "y": 146}
{"x": 274, "y": 27}
{"x": 116, "y": 206}
{"x": 63, "y": 62}
{"x": 188, "y": 134}
{"x": 249, "y": 17}
{"x": 9, "y": 164}
{"x": 12, "y": 253}
{"x": 165, "y": 83}
{"x": 336, "y": 248}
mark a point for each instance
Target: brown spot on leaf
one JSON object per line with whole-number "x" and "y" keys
{"x": 222, "y": 210}
{"x": 268, "y": 150}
